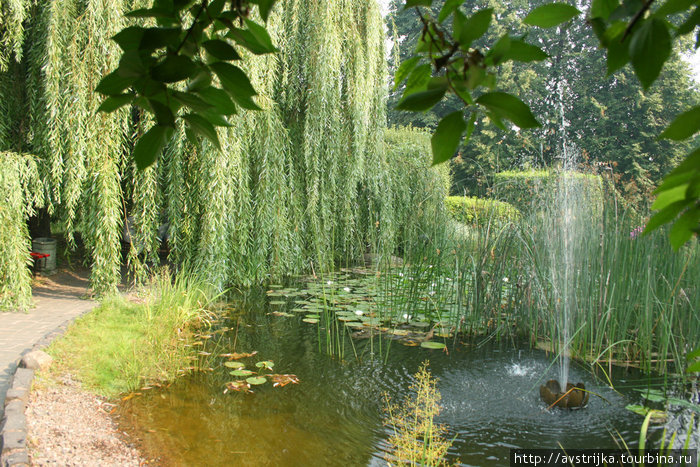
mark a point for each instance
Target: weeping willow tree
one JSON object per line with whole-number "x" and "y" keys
{"x": 299, "y": 186}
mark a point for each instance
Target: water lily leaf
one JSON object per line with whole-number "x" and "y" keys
{"x": 238, "y": 356}
{"x": 267, "y": 364}
{"x": 241, "y": 372}
{"x": 310, "y": 320}
{"x": 256, "y": 380}
{"x": 235, "y": 365}
{"x": 432, "y": 345}
{"x": 240, "y": 386}
{"x": 283, "y": 380}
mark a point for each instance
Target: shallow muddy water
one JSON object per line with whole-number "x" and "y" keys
{"x": 490, "y": 399}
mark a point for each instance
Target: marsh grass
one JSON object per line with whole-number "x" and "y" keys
{"x": 123, "y": 345}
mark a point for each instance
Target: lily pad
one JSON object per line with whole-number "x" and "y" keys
{"x": 432, "y": 345}
{"x": 234, "y": 365}
{"x": 310, "y": 320}
{"x": 267, "y": 364}
{"x": 241, "y": 386}
{"x": 256, "y": 380}
{"x": 278, "y": 302}
{"x": 240, "y": 372}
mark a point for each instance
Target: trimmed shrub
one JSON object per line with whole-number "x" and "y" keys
{"x": 480, "y": 211}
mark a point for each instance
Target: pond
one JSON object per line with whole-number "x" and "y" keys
{"x": 334, "y": 416}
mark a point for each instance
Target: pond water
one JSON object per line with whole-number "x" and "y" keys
{"x": 334, "y": 416}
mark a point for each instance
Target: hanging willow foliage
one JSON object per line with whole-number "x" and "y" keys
{"x": 303, "y": 184}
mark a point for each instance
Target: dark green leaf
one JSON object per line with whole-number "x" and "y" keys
{"x": 470, "y": 127}
{"x": 448, "y": 8}
{"x": 418, "y": 79}
{"x": 129, "y": 38}
{"x": 202, "y": 127}
{"x": 150, "y": 145}
{"x": 219, "y": 99}
{"x": 650, "y": 47}
{"x": 665, "y": 216}
{"x": 412, "y": 3}
{"x": 683, "y": 126}
{"x": 551, "y": 14}
{"x": 215, "y": 8}
{"x": 200, "y": 81}
{"x": 689, "y": 24}
{"x": 524, "y": 52}
{"x": 603, "y": 8}
{"x": 683, "y": 228}
{"x": 261, "y": 36}
{"x": 220, "y": 49}
{"x": 151, "y": 13}
{"x": 192, "y": 101}
{"x": 508, "y": 106}
{"x": 131, "y": 65}
{"x": 246, "y": 38}
{"x": 618, "y": 56}
{"x": 447, "y": 135}
{"x": 215, "y": 118}
{"x": 672, "y": 195}
{"x": 112, "y": 103}
{"x": 236, "y": 83}
{"x": 499, "y": 51}
{"x": 157, "y": 38}
{"x": 265, "y": 6}
{"x": 422, "y": 100}
{"x": 173, "y": 69}
{"x": 474, "y": 27}
{"x": 164, "y": 115}
{"x": 113, "y": 84}
{"x": 404, "y": 69}
{"x": 674, "y": 6}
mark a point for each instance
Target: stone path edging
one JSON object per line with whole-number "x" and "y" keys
{"x": 13, "y": 430}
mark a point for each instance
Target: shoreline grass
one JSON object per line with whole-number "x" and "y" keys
{"x": 123, "y": 345}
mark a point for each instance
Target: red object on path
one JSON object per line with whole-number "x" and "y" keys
{"x": 35, "y": 256}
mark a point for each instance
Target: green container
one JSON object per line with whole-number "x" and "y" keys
{"x": 45, "y": 246}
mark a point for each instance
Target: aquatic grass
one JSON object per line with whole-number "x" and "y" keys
{"x": 417, "y": 439}
{"x": 123, "y": 345}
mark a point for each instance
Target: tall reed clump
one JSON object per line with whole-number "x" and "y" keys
{"x": 417, "y": 439}
{"x": 632, "y": 297}
{"x": 123, "y": 345}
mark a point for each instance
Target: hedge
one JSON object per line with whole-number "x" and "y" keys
{"x": 480, "y": 211}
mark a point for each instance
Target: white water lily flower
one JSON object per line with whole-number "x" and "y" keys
{"x": 406, "y": 316}
{"x": 432, "y": 292}
{"x": 329, "y": 282}
{"x": 505, "y": 279}
{"x": 400, "y": 274}
{"x": 347, "y": 289}
{"x": 359, "y": 312}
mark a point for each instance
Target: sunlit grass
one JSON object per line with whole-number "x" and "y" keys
{"x": 122, "y": 345}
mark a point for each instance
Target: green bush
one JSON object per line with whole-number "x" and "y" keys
{"x": 531, "y": 188}
{"x": 479, "y": 211}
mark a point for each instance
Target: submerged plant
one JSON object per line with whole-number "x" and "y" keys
{"x": 416, "y": 438}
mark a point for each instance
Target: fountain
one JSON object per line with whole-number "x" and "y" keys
{"x": 565, "y": 219}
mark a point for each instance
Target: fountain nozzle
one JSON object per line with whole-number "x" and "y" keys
{"x": 574, "y": 397}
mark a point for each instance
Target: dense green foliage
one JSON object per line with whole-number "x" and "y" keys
{"x": 480, "y": 211}
{"x": 299, "y": 185}
{"x": 20, "y": 194}
{"x": 610, "y": 120}
{"x": 529, "y": 189}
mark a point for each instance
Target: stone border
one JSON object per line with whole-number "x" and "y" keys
{"x": 13, "y": 430}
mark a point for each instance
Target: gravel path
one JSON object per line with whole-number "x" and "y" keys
{"x": 70, "y": 427}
